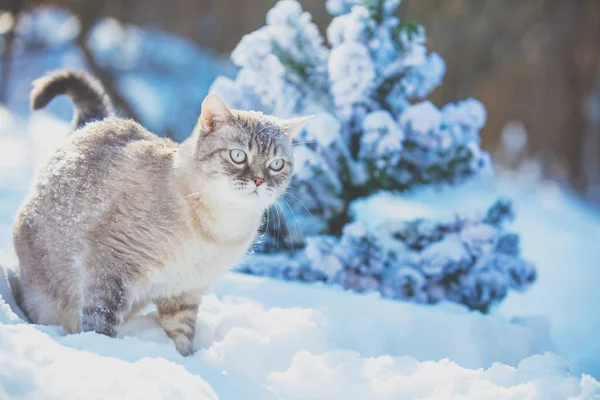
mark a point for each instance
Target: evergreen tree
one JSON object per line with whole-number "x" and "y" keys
{"x": 373, "y": 131}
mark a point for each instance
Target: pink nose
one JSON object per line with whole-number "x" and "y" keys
{"x": 258, "y": 181}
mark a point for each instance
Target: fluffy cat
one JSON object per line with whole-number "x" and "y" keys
{"x": 120, "y": 218}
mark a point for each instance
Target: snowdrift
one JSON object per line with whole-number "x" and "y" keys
{"x": 264, "y": 339}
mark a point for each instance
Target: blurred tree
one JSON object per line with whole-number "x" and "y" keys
{"x": 88, "y": 13}
{"x": 371, "y": 133}
{"x": 13, "y": 7}
{"x": 590, "y": 160}
{"x": 532, "y": 60}
{"x": 527, "y": 60}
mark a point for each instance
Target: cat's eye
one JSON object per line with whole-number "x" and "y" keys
{"x": 237, "y": 156}
{"x": 276, "y": 165}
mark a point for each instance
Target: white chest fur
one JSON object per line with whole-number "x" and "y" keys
{"x": 196, "y": 267}
{"x": 198, "y": 262}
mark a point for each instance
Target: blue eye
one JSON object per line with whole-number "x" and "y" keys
{"x": 237, "y": 156}
{"x": 277, "y": 165}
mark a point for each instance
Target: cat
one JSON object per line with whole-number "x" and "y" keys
{"x": 120, "y": 218}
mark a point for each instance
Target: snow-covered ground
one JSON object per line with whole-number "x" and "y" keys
{"x": 264, "y": 339}
{"x": 559, "y": 234}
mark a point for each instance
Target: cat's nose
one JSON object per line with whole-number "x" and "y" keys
{"x": 258, "y": 181}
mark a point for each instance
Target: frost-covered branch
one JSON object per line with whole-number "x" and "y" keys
{"x": 373, "y": 131}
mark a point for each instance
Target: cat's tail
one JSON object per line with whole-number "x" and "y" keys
{"x": 87, "y": 93}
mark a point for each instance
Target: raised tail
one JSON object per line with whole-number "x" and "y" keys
{"x": 87, "y": 93}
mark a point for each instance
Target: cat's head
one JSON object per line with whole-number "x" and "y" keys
{"x": 244, "y": 157}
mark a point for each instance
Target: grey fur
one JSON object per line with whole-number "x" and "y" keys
{"x": 91, "y": 101}
{"x": 119, "y": 218}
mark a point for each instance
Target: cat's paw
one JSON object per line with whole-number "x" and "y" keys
{"x": 185, "y": 348}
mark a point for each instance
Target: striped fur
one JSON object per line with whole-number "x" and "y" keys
{"x": 91, "y": 101}
{"x": 178, "y": 319}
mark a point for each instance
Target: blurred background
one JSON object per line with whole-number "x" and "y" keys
{"x": 534, "y": 64}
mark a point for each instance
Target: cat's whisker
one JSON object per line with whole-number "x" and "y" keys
{"x": 309, "y": 142}
{"x": 299, "y": 202}
{"x": 299, "y": 229}
{"x": 290, "y": 232}
{"x": 293, "y": 187}
{"x": 268, "y": 219}
{"x": 274, "y": 243}
{"x": 193, "y": 194}
{"x": 287, "y": 225}
{"x": 278, "y": 227}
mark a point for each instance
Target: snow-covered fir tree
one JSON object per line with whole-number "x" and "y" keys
{"x": 373, "y": 130}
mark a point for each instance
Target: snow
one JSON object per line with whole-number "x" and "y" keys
{"x": 351, "y": 72}
{"x": 270, "y": 339}
{"x": 449, "y": 254}
{"x": 35, "y": 365}
{"x": 421, "y": 118}
{"x": 540, "y": 377}
{"x": 337, "y": 7}
{"x": 382, "y": 139}
{"x": 558, "y": 233}
{"x": 265, "y": 339}
{"x": 351, "y": 27}
{"x": 274, "y": 60}
{"x": 469, "y": 112}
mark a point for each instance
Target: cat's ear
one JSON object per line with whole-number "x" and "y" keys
{"x": 214, "y": 112}
{"x": 292, "y": 126}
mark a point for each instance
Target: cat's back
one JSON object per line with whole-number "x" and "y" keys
{"x": 95, "y": 156}
{"x": 83, "y": 177}
{"x": 108, "y": 143}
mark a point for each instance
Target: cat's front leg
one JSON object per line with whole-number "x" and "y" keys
{"x": 177, "y": 317}
{"x": 103, "y": 303}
